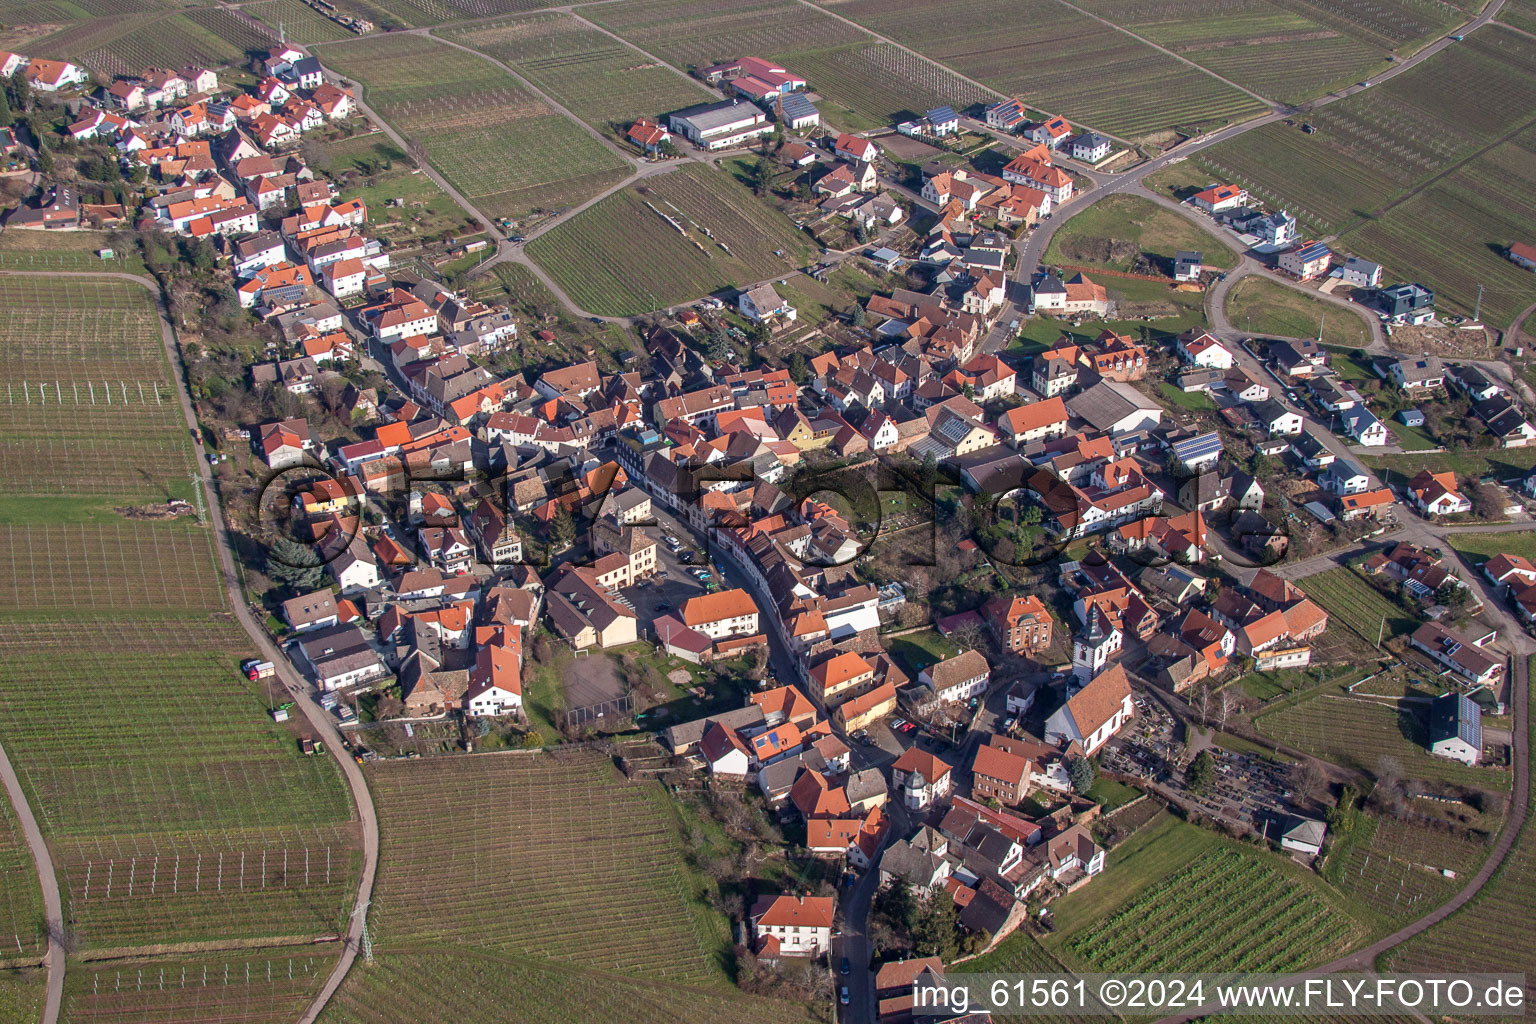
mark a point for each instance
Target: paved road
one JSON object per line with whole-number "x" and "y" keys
{"x": 298, "y": 689}
{"x": 53, "y": 909}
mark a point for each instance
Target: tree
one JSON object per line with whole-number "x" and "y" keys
{"x": 1080, "y": 771}
{"x": 44, "y": 159}
{"x": 762, "y": 333}
{"x": 799, "y": 371}
{"x": 20, "y": 91}
{"x": 294, "y": 565}
{"x": 562, "y": 529}
{"x": 1453, "y": 594}
{"x": 930, "y": 472}
{"x": 760, "y": 175}
{"x": 860, "y": 232}
{"x": 1200, "y": 772}
{"x": 5, "y": 110}
{"x": 936, "y": 929}
{"x": 857, "y": 315}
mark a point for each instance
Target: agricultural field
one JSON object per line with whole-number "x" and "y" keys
{"x": 1021, "y": 953}
{"x": 670, "y": 239}
{"x": 602, "y": 81}
{"x": 474, "y": 987}
{"x": 1478, "y": 936}
{"x": 65, "y": 250}
{"x": 1229, "y": 910}
{"x": 140, "y": 748}
{"x": 1035, "y": 50}
{"x": 1519, "y": 13}
{"x": 502, "y": 146}
{"x": 863, "y": 83}
{"x": 21, "y": 995}
{"x": 1393, "y": 867}
{"x": 300, "y": 22}
{"x": 622, "y": 905}
{"x": 1261, "y": 306}
{"x": 1453, "y": 233}
{"x": 130, "y": 43}
{"x": 1274, "y": 49}
{"x": 1151, "y": 230}
{"x": 1360, "y": 733}
{"x": 268, "y": 986}
{"x": 1352, "y": 602}
{"x": 21, "y": 900}
{"x": 1384, "y": 167}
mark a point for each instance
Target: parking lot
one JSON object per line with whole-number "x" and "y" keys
{"x": 665, "y": 595}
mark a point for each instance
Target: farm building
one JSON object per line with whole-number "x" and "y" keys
{"x": 1524, "y": 255}
{"x": 721, "y": 125}
{"x": 796, "y": 112}
{"x": 1303, "y": 835}
{"x": 1456, "y": 728}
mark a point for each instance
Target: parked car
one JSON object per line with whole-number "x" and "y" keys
{"x": 844, "y": 967}
{"x": 897, "y": 723}
{"x": 843, "y": 996}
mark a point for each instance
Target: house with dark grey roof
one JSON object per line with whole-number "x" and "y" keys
{"x": 1456, "y": 728}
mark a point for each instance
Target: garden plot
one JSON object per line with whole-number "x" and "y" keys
{"x": 268, "y": 986}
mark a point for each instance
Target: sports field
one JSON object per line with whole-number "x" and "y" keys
{"x": 863, "y": 83}
{"x": 499, "y": 144}
{"x": 176, "y": 809}
{"x": 1042, "y": 51}
{"x": 557, "y": 894}
{"x": 601, "y": 80}
{"x": 670, "y": 239}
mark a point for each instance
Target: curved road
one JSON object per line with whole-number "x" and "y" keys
{"x": 53, "y": 907}
{"x": 298, "y": 689}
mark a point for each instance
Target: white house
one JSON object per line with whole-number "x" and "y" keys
{"x": 1090, "y": 147}
{"x": 763, "y": 303}
{"x": 1360, "y": 273}
{"x": 1362, "y": 425}
{"x": 922, "y": 778}
{"x": 962, "y": 677}
{"x": 1204, "y": 351}
{"x": 793, "y": 925}
{"x": 495, "y": 683}
{"x": 728, "y": 613}
{"x": 1276, "y": 419}
{"x": 1456, "y": 728}
{"x": 1303, "y": 835}
{"x": 1092, "y": 715}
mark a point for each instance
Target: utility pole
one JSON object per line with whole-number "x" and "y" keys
{"x": 1382, "y": 631}
{"x": 1478, "y": 309}
{"x": 1320, "y": 321}
{"x": 197, "y": 496}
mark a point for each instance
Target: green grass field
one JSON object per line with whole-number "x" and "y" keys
{"x": 1259, "y": 305}
{"x": 1482, "y": 546}
{"x": 602, "y": 81}
{"x": 863, "y": 83}
{"x": 499, "y": 144}
{"x": 556, "y": 872}
{"x": 1157, "y": 232}
{"x": 669, "y": 239}
{"x": 176, "y": 809}
{"x": 64, "y": 250}
{"x": 1400, "y": 195}
{"x": 1036, "y": 49}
